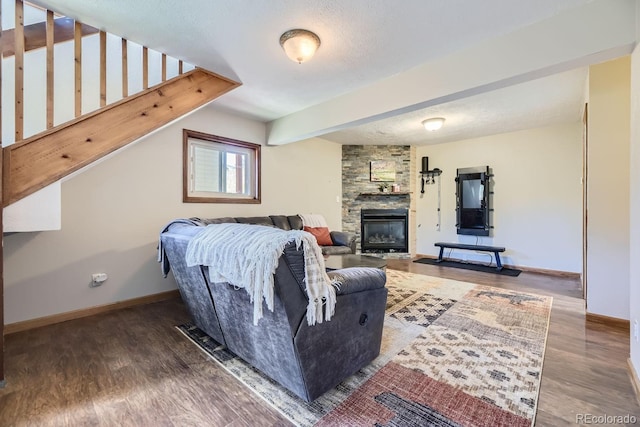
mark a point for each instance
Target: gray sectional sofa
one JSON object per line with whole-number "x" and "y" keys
{"x": 343, "y": 242}
{"x": 306, "y": 360}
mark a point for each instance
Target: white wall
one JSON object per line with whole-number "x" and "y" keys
{"x": 39, "y": 211}
{"x": 608, "y": 189}
{"x": 113, "y": 212}
{"x": 537, "y": 200}
{"x": 634, "y": 213}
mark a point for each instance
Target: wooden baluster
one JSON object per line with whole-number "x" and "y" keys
{"x": 103, "y": 68}
{"x": 164, "y": 67}
{"x": 50, "y": 82}
{"x": 125, "y": 70}
{"x": 77, "y": 44}
{"x": 19, "y": 71}
{"x": 145, "y": 67}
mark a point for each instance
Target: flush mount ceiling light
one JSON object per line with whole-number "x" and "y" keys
{"x": 433, "y": 124}
{"x": 299, "y": 45}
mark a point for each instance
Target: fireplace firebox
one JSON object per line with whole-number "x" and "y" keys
{"x": 384, "y": 230}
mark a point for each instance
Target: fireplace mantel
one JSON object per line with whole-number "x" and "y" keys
{"x": 387, "y": 194}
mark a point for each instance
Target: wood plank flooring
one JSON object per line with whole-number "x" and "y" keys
{"x": 132, "y": 368}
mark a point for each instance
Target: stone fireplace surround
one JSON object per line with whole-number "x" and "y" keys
{"x": 359, "y": 192}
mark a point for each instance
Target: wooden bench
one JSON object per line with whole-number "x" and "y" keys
{"x": 482, "y": 248}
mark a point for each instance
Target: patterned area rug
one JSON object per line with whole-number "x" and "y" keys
{"x": 453, "y": 354}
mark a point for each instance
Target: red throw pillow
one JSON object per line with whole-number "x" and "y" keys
{"x": 321, "y": 234}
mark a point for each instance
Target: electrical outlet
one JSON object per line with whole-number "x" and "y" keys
{"x": 97, "y": 279}
{"x": 635, "y": 330}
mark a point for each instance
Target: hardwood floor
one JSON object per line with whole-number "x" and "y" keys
{"x": 132, "y": 368}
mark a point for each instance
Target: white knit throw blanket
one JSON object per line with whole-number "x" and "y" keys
{"x": 247, "y": 256}
{"x": 313, "y": 220}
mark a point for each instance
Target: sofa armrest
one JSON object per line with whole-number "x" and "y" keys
{"x": 331, "y": 351}
{"x": 358, "y": 279}
{"x": 343, "y": 238}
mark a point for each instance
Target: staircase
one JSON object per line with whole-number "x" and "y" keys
{"x": 43, "y": 159}
{"x": 80, "y": 94}
{"x": 38, "y": 159}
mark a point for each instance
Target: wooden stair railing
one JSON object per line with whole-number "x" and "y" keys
{"x": 35, "y": 35}
{"x": 45, "y": 158}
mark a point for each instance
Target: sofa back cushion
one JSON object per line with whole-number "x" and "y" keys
{"x": 281, "y": 222}
{"x": 295, "y": 221}
{"x": 257, "y": 220}
{"x": 223, "y": 220}
{"x": 284, "y": 222}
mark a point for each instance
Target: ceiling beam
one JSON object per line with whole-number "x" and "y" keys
{"x": 595, "y": 32}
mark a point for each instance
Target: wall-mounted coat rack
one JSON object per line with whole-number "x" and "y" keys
{"x": 428, "y": 174}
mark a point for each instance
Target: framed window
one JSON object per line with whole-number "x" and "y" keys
{"x": 219, "y": 170}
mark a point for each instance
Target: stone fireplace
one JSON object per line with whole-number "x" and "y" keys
{"x": 360, "y": 193}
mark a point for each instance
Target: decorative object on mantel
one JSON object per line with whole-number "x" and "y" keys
{"x": 383, "y": 171}
{"x": 384, "y": 187}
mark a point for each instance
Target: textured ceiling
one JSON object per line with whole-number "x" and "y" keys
{"x": 543, "y": 102}
{"x": 363, "y": 41}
